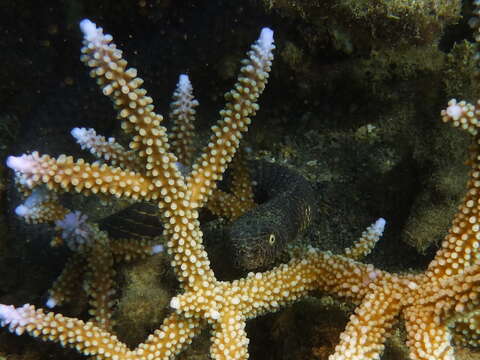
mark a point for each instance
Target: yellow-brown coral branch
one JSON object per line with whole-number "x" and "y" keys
{"x": 99, "y": 281}
{"x": 369, "y": 326}
{"x": 109, "y": 150}
{"x": 69, "y": 283}
{"x": 65, "y": 174}
{"x": 229, "y": 339}
{"x": 88, "y": 338}
{"x": 134, "y": 107}
{"x": 235, "y": 119}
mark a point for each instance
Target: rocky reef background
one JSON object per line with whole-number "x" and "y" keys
{"x": 353, "y": 103}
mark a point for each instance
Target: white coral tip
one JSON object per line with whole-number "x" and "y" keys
{"x": 78, "y": 132}
{"x": 22, "y": 210}
{"x": 51, "y": 303}
{"x": 265, "y": 41}
{"x": 9, "y": 315}
{"x": 455, "y": 111}
{"x": 6, "y": 312}
{"x": 184, "y": 82}
{"x": 89, "y": 29}
{"x": 379, "y": 226}
{"x": 157, "y": 249}
{"x": 20, "y": 163}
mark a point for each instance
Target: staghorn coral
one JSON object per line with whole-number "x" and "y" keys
{"x": 90, "y": 268}
{"x": 179, "y": 198}
{"x": 431, "y": 302}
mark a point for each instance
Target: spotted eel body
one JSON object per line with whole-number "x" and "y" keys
{"x": 286, "y": 208}
{"x": 257, "y": 238}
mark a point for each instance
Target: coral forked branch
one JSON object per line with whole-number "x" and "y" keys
{"x": 433, "y": 303}
{"x": 155, "y": 175}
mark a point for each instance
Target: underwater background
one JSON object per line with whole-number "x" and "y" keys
{"x": 353, "y": 104}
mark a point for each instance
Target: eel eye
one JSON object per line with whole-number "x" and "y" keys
{"x": 271, "y": 239}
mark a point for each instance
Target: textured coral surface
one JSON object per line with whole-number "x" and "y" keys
{"x": 356, "y": 115}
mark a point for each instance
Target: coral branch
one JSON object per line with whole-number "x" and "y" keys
{"x": 107, "y": 149}
{"x": 69, "y": 283}
{"x": 134, "y": 106}
{"x": 367, "y": 241}
{"x": 182, "y": 115}
{"x": 65, "y": 174}
{"x": 235, "y": 119}
{"x": 431, "y": 302}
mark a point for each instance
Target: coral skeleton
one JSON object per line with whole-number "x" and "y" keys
{"x": 438, "y": 306}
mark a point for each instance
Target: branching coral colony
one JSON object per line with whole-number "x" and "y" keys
{"x": 439, "y": 306}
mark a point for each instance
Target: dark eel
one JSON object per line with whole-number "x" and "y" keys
{"x": 286, "y": 208}
{"x": 257, "y": 238}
